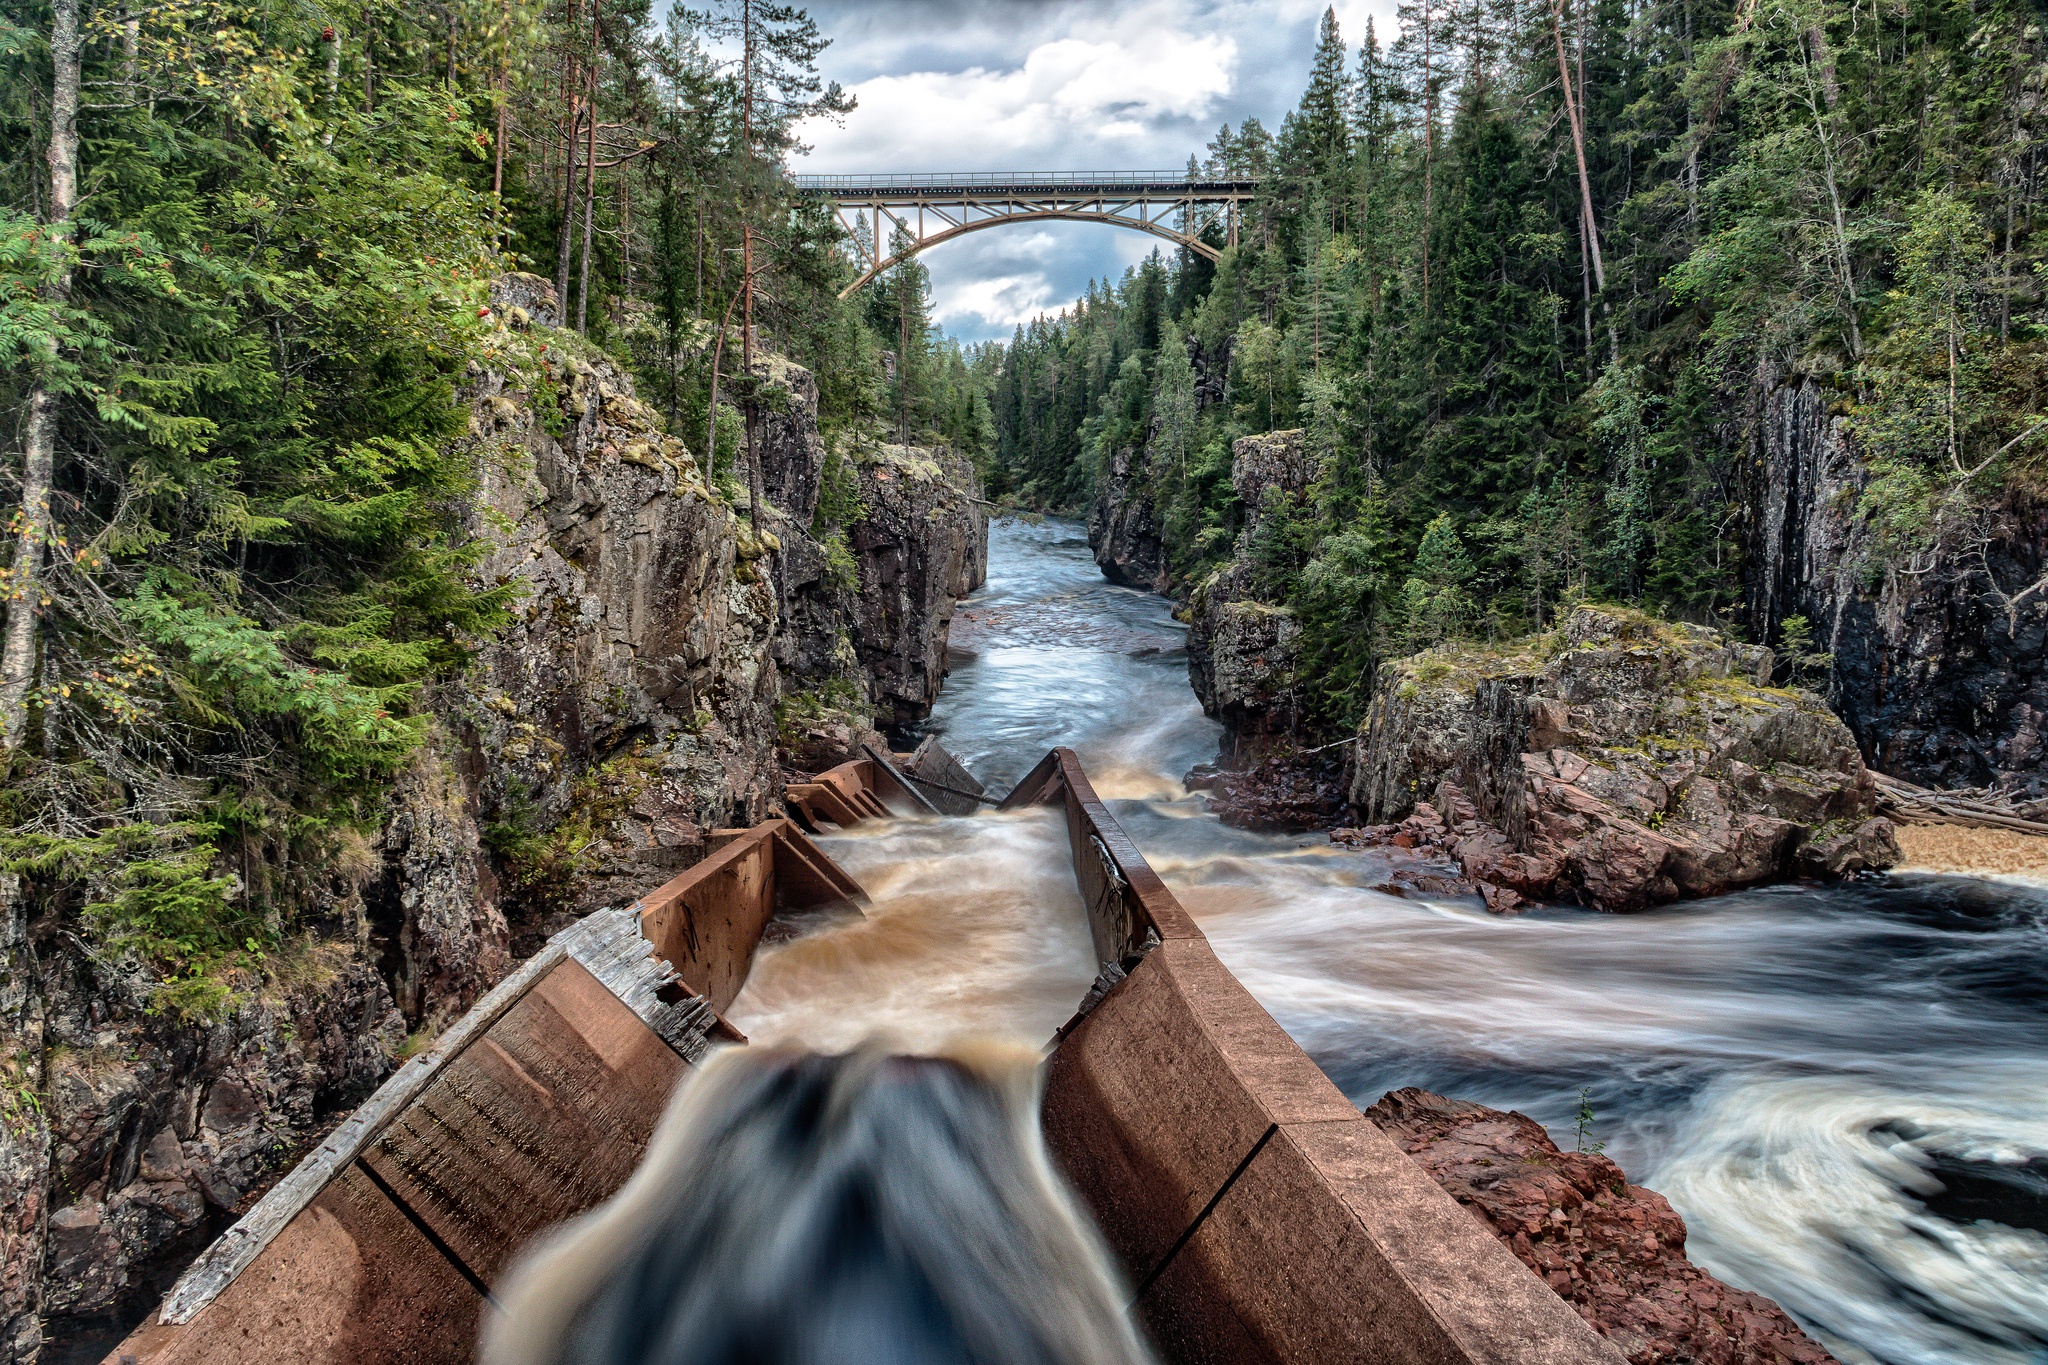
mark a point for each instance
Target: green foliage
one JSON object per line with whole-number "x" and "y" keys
{"x": 260, "y": 475}
{"x": 1795, "y": 641}
{"x": 544, "y": 861}
{"x": 1781, "y": 193}
{"x": 1582, "y": 1128}
{"x": 1621, "y": 401}
{"x": 1436, "y": 603}
{"x": 832, "y": 700}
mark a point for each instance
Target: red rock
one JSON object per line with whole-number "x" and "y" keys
{"x": 1614, "y": 1251}
{"x": 1499, "y": 899}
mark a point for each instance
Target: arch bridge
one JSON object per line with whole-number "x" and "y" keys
{"x": 930, "y": 209}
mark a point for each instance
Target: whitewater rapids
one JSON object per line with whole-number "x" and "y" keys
{"x": 1844, "y": 1090}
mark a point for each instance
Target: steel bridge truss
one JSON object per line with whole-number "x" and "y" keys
{"x": 929, "y": 209}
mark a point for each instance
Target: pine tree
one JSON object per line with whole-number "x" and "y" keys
{"x": 1322, "y": 120}
{"x": 1173, "y": 399}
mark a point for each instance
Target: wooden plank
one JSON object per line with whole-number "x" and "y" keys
{"x": 805, "y": 877}
{"x": 932, "y": 763}
{"x": 819, "y": 799}
{"x": 611, "y": 948}
{"x": 887, "y": 777}
{"x": 349, "y": 1280}
{"x": 543, "y": 1118}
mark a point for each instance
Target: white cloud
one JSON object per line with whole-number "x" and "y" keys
{"x": 962, "y": 85}
{"x": 1071, "y": 101}
{"x": 995, "y": 304}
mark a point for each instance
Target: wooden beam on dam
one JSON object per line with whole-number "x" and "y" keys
{"x": 537, "y": 1104}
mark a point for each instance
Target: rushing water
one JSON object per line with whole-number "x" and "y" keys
{"x": 1844, "y": 1090}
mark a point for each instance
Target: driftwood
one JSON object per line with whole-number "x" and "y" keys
{"x": 1977, "y": 807}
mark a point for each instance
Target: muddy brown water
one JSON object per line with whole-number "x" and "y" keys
{"x": 1844, "y": 1090}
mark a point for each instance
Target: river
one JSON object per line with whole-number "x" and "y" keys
{"x": 1833, "y": 1085}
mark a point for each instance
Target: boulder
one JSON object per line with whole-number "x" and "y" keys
{"x": 1285, "y": 791}
{"x": 1614, "y": 1251}
{"x": 1620, "y": 761}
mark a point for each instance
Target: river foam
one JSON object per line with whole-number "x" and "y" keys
{"x": 1819, "y": 1186}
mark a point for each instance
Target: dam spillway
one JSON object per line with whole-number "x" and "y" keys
{"x": 1259, "y": 1215}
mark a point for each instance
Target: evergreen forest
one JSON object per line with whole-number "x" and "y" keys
{"x": 246, "y": 253}
{"x": 1519, "y": 277}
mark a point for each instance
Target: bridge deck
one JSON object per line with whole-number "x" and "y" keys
{"x": 965, "y": 185}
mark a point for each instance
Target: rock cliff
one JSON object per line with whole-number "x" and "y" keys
{"x": 1614, "y": 1251}
{"x": 1242, "y": 651}
{"x": 1126, "y": 520}
{"x": 1619, "y": 761}
{"x": 627, "y": 710}
{"x": 1123, "y": 525}
{"x": 869, "y": 601}
{"x": 1940, "y": 666}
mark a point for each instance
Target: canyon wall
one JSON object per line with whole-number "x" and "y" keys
{"x": 1940, "y": 661}
{"x": 1241, "y": 650}
{"x": 585, "y": 755}
{"x": 869, "y": 604}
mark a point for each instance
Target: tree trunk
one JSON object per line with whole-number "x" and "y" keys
{"x": 1428, "y": 148}
{"x": 589, "y": 208}
{"x": 754, "y": 494}
{"x": 589, "y": 178}
{"x": 504, "y": 98}
{"x": 565, "y": 236}
{"x": 1591, "y": 227}
{"x": 626, "y": 231}
{"x": 39, "y": 435}
{"x": 333, "y": 42}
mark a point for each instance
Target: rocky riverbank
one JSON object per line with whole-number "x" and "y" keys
{"x": 1619, "y": 761}
{"x": 1614, "y": 1251}
{"x": 636, "y": 702}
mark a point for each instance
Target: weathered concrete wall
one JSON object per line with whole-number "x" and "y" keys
{"x": 1260, "y": 1216}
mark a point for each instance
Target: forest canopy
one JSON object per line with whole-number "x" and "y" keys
{"x": 246, "y": 265}
{"x": 1520, "y": 276}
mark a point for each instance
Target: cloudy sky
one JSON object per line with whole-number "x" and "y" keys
{"x": 1054, "y": 85}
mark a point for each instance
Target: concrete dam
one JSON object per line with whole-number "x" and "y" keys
{"x": 1257, "y": 1215}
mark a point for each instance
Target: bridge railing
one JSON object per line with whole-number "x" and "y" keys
{"x": 997, "y": 179}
